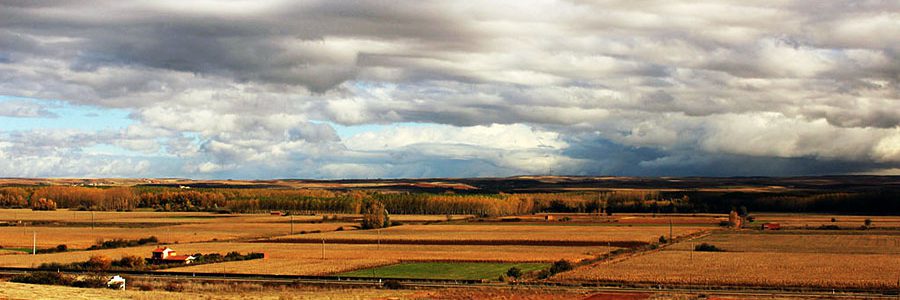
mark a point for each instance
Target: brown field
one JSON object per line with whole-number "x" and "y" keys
{"x": 815, "y": 220}
{"x": 861, "y": 242}
{"x": 515, "y": 232}
{"x": 82, "y": 237}
{"x": 748, "y": 269}
{"x": 306, "y": 259}
{"x": 624, "y": 219}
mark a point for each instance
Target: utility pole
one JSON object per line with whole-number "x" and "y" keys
{"x": 323, "y": 245}
{"x": 292, "y": 224}
{"x": 92, "y": 220}
{"x": 692, "y": 251}
{"x": 34, "y": 243}
{"x": 670, "y": 230}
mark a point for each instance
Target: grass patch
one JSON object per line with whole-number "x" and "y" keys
{"x": 26, "y": 250}
{"x": 445, "y": 270}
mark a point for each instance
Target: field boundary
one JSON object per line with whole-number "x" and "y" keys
{"x": 557, "y": 243}
{"x": 365, "y": 281}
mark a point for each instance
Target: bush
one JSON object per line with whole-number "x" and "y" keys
{"x": 829, "y": 227}
{"x": 173, "y": 287}
{"x": 91, "y": 282}
{"x": 62, "y": 248}
{"x": 43, "y": 278}
{"x": 98, "y": 263}
{"x": 663, "y": 240}
{"x": 868, "y": 222}
{"x": 707, "y": 248}
{"x": 543, "y": 274}
{"x": 392, "y": 285}
{"x": 131, "y": 262}
{"x": 121, "y": 243}
{"x": 514, "y": 272}
{"x": 560, "y": 266}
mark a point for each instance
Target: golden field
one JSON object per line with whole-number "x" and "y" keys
{"x": 816, "y": 220}
{"x": 516, "y": 232}
{"x": 306, "y": 259}
{"x": 858, "y": 242}
{"x": 10, "y": 290}
{"x": 748, "y": 269}
{"x": 82, "y": 237}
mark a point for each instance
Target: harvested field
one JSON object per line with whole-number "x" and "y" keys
{"x": 445, "y": 270}
{"x": 814, "y": 220}
{"x": 829, "y": 270}
{"x": 801, "y": 242}
{"x": 83, "y": 237}
{"x": 624, "y": 219}
{"x": 306, "y": 259}
{"x": 515, "y": 234}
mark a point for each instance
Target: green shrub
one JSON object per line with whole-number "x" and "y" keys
{"x": 560, "y": 266}
{"x": 514, "y": 272}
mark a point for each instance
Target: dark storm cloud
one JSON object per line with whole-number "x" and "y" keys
{"x": 229, "y": 86}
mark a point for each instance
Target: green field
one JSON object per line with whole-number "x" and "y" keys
{"x": 444, "y": 270}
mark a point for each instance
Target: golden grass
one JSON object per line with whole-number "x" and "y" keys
{"x": 516, "y": 232}
{"x": 802, "y": 243}
{"x": 748, "y": 269}
{"x": 9, "y": 290}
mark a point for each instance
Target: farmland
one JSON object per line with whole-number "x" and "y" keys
{"x": 306, "y": 259}
{"x": 849, "y": 242}
{"x": 805, "y": 258}
{"x": 546, "y": 234}
{"x": 876, "y": 271}
{"x": 464, "y": 270}
{"x": 476, "y": 236}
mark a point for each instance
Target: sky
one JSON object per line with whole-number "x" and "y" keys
{"x": 386, "y": 89}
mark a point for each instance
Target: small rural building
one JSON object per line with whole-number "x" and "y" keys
{"x": 548, "y": 217}
{"x": 771, "y": 226}
{"x": 167, "y": 255}
{"x": 116, "y": 282}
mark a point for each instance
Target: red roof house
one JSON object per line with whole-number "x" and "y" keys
{"x": 771, "y": 226}
{"x": 167, "y": 255}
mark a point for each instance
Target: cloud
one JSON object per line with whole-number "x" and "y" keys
{"x": 24, "y": 109}
{"x": 249, "y": 88}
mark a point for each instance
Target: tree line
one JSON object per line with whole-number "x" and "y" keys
{"x": 878, "y": 201}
